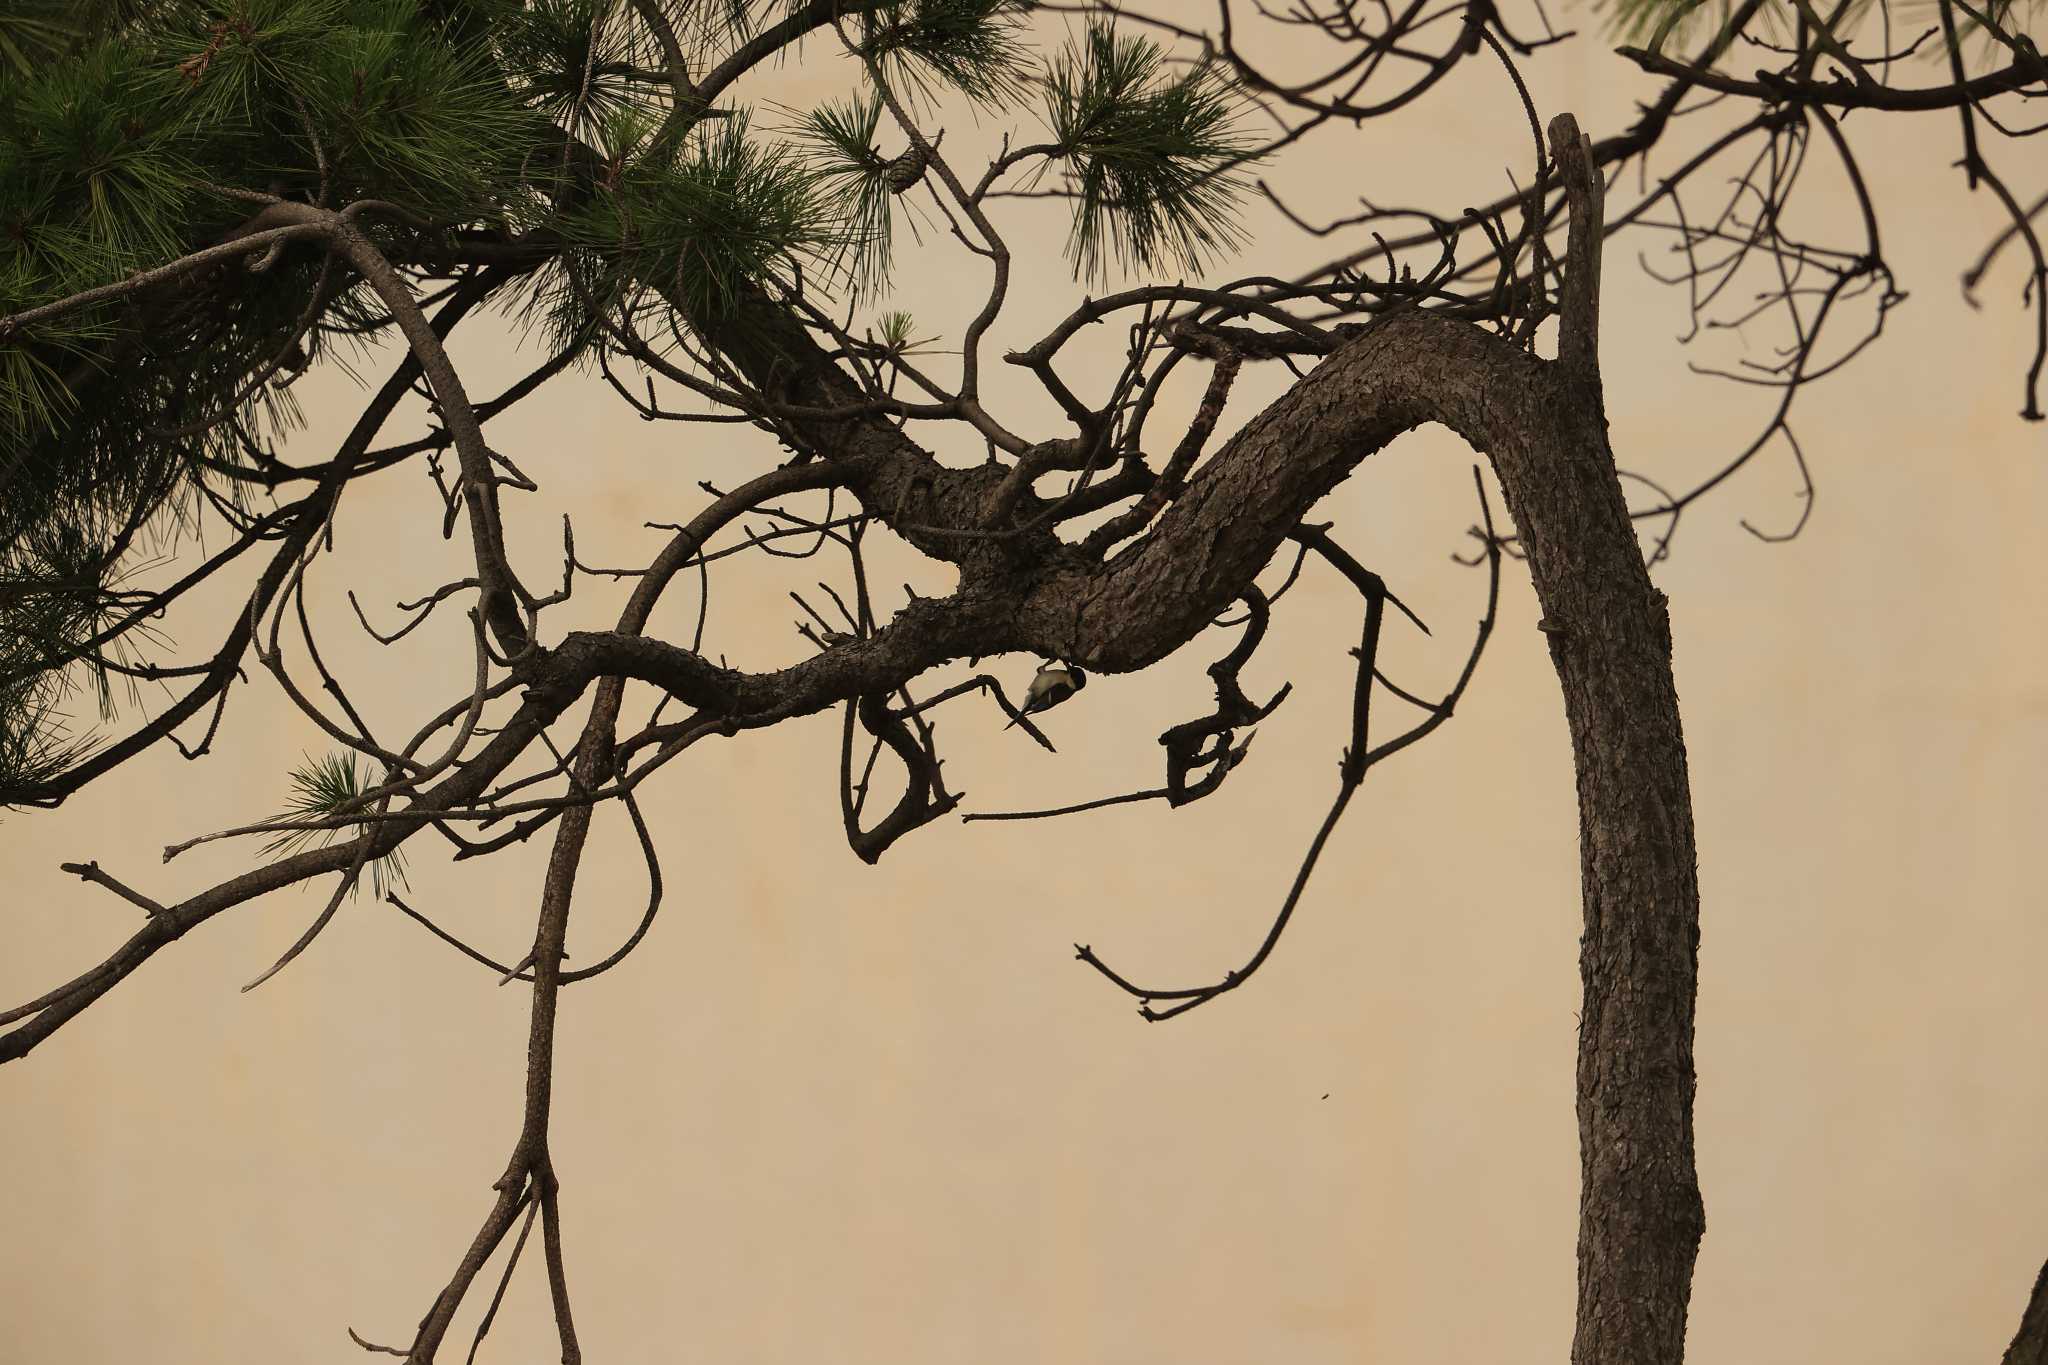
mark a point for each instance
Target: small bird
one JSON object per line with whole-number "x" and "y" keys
{"x": 1053, "y": 685}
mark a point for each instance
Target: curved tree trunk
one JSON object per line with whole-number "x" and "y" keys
{"x": 1640, "y": 1214}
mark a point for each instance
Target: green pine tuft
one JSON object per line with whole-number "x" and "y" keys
{"x": 323, "y": 789}
{"x": 702, "y": 221}
{"x": 1152, "y": 154}
{"x": 580, "y": 63}
{"x": 839, "y": 142}
{"x": 925, "y": 47}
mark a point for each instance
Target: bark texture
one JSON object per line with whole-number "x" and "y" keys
{"x": 1640, "y": 1213}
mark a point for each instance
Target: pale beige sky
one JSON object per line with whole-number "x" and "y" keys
{"x": 831, "y": 1112}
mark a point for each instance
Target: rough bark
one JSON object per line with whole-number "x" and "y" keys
{"x": 1640, "y": 1213}
{"x": 1640, "y": 1217}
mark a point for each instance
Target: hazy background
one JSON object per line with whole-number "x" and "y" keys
{"x": 829, "y": 1112}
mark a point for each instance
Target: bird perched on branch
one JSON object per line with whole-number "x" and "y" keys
{"x": 1053, "y": 685}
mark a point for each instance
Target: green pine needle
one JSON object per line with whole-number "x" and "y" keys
{"x": 322, "y": 789}
{"x": 838, "y": 141}
{"x": 1152, "y": 154}
{"x": 580, "y": 62}
{"x": 1665, "y": 22}
{"x": 894, "y": 331}
{"x": 1674, "y": 25}
{"x": 704, "y": 221}
{"x": 713, "y": 24}
{"x": 976, "y": 47}
{"x": 36, "y": 745}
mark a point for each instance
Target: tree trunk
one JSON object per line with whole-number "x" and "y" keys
{"x": 1640, "y": 1214}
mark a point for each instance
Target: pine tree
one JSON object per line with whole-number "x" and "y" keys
{"x": 200, "y": 200}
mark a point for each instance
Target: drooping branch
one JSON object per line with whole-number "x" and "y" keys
{"x": 39, "y": 1018}
{"x": 924, "y": 797}
{"x": 1351, "y": 773}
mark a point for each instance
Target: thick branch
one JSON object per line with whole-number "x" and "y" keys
{"x": 1404, "y": 371}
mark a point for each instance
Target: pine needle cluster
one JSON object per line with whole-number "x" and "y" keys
{"x": 841, "y": 141}
{"x": 1665, "y": 25}
{"x": 929, "y": 47}
{"x": 327, "y": 788}
{"x": 1153, "y": 154}
{"x": 698, "y": 220}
